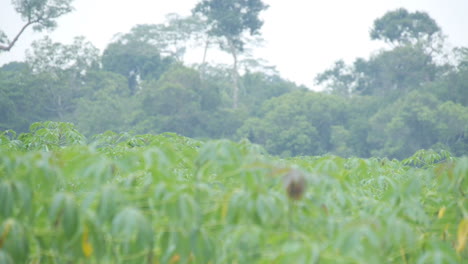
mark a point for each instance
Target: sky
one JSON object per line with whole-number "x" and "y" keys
{"x": 302, "y": 38}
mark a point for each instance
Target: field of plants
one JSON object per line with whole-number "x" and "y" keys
{"x": 122, "y": 198}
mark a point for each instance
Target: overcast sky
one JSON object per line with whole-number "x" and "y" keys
{"x": 303, "y": 37}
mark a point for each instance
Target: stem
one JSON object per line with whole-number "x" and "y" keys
{"x": 12, "y": 43}
{"x": 290, "y": 217}
{"x": 203, "y": 65}
{"x": 235, "y": 75}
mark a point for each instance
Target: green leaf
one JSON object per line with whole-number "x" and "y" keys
{"x": 5, "y": 257}
{"x": 6, "y": 198}
{"x": 64, "y": 212}
{"x": 132, "y": 232}
{"x": 109, "y": 203}
{"x": 14, "y": 240}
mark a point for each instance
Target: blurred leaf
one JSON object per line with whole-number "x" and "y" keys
{"x": 132, "y": 232}
{"x": 462, "y": 235}
{"x": 86, "y": 246}
{"x": 14, "y": 240}
{"x": 64, "y": 212}
{"x": 5, "y": 258}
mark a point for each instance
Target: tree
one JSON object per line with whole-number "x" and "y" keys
{"x": 453, "y": 84}
{"x": 418, "y": 121}
{"x": 230, "y": 20}
{"x": 105, "y": 105}
{"x": 452, "y": 126}
{"x": 340, "y": 79}
{"x": 259, "y": 87}
{"x": 77, "y": 58}
{"x": 59, "y": 69}
{"x": 40, "y": 14}
{"x": 405, "y": 126}
{"x": 361, "y": 109}
{"x": 402, "y": 27}
{"x": 296, "y": 123}
{"x": 410, "y": 64}
{"x": 137, "y": 56}
{"x": 391, "y": 73}
{"x": 399, "y": 70}
{"x": 21, "y": 99}
{"x": 172, "y": 103}
{"x": 170, "y": 38}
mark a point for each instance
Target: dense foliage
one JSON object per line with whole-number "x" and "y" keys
{"x": 371, "y": 170}
{"x": 122, "y": 198}
{"x": 411, "y": 95}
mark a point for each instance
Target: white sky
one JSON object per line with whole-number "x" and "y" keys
{"x": 303, "y": 37}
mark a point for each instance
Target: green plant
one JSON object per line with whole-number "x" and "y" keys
{"x": 169, "y": 199}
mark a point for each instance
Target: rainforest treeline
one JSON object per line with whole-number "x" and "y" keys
{"x": 410, "y": 95}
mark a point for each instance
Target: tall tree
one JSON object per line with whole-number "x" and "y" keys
{"x": 137, "y": 55}
{"x": 170, "y": 38}
{"x": 40, "y": 14}
{"x": 388, "y": 73}
{"x": 230, "y": 20}
{"x": 413, "y": 61}
{"x": 402, "y": 27}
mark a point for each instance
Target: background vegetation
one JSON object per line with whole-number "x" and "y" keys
{"x": 411, "y": 95}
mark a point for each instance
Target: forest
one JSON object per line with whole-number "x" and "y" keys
{"x": 133, "y": 155}
{"x": 408, "y": 96}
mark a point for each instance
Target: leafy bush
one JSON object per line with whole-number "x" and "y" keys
{"x": 169, "y": 199}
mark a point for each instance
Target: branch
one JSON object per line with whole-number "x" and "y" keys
{"x": 10, "y": 45}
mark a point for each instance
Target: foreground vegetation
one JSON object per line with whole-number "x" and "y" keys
{"x": 120, "y": 198}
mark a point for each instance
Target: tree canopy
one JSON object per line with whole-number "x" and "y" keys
{"x": 398, "y": 100}
{"x": 402, "y": 27}
{"x": 230, "y": 20}
{"x": 40, "y": 14}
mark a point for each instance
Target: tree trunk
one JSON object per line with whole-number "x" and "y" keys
{"x": 203, "y": 65}
{"x": 12, "y": 43}
{"x": 234, "y": 75}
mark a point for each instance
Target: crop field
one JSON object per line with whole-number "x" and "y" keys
{"x": 122, "y": 198}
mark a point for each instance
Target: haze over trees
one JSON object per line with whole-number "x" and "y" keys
{"x": 405, "y": 97}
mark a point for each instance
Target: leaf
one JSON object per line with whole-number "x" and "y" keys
{"x": 6, "y": 199}
{"x": 86, "y": 246}
{"x": 441, "y": 212}
{"x": 64, "y": 211}
{"x": 224, "y": 210}
{"x": 462, "y": 235}
{"x": 175, "y": 259}
{"x": 5, "y": 258}
{"x": 132, "y": 230}
{"x": 6, "y": 230}
{"x": 109, "y": 203}
{"x": 14, "y": 240}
